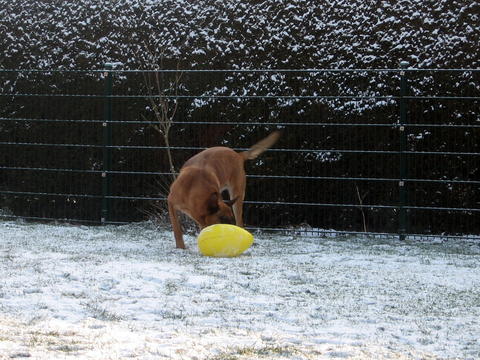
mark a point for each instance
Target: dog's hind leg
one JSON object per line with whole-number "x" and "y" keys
{"x": 238, "y": 212}
{"x": 177, "y": 228}
{"x": 238, "y": 192}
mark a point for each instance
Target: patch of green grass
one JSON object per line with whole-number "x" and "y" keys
{"x": 173, "y": 315}
{"x": 74, "y": 294}
{"x": 8, "y": 257}
{"x": 68, "y": 348}
{"x": 171, "y": 287}
{"x": 251, "y": 352}
{"x": 100, "y": 313}
{"x": 53, "y": 340}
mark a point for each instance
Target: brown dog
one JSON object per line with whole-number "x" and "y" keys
{"x": 197, "y": 191}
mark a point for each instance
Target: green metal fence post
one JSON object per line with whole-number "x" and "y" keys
{"x": 402, "y": 219}
{"x": 107, "y": 142}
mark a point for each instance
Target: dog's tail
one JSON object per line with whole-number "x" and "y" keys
{"x": 261, "y": 146}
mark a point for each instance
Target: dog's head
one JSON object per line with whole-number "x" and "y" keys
{"x": 219, "y": 211}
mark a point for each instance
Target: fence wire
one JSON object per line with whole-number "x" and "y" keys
{"x": 371, "y": 152}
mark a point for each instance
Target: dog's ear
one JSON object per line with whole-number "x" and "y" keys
{"x": 231, "y": 202}
{"x": 212, "y": 204}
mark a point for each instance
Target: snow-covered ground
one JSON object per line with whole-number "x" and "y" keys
{"x": 122, "y": 292}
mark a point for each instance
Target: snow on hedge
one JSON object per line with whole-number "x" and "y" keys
{"x": 240, "y": 34}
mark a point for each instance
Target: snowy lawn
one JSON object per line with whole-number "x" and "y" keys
{"x": 122, "y": 292}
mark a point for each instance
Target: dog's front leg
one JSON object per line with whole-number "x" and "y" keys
{"x": 177, "y": 228}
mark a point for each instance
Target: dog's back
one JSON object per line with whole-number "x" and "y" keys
{"x": 223, "y": 162}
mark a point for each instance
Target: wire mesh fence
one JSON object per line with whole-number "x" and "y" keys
{"x": 392, "y": 151}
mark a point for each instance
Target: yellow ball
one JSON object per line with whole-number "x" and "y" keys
{"x": 224, "y": 240}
